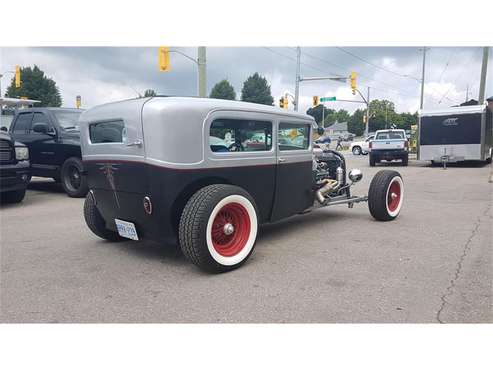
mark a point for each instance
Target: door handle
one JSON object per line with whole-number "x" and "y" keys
{"x": 135, "y": 143}
{"x": 281, "y": 160}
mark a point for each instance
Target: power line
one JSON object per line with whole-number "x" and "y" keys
{"x": 377, "y": 66}
{"x": 294, "y": 59}
{"x": 364, "y": 77}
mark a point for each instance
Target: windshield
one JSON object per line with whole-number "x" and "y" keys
{"x": 387, "y": 135}
{"x": 68, "y": 120}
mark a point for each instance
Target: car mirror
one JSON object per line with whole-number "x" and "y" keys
{"x": 43, "y": 128}
{"x": 3, "y": 128}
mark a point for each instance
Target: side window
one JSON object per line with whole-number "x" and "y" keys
{"x": 41, "y": 118}
{"x": 293, "y": 136}
{"x": 23, "y": 122}
{"x": 107, "y": 132}
{"x": 237, "y": 135}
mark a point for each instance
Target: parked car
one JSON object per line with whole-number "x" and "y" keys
{"x": 145, "y": 184}
{"x": 361, "y": 147}
{"x": 14, "y": 169}
{"x": 389, "y": 145}
{"x": 52, "y": 136}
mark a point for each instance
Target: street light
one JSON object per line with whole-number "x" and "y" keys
{"x": 201, "y": 64}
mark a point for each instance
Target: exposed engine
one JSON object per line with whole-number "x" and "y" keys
{"x": 329, "y": 175}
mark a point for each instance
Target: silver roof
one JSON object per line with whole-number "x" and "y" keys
{"x": 453, "y": 110}
{"x": 201, "y": 104}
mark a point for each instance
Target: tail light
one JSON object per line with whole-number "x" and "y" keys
{"x": 370, "y": 145}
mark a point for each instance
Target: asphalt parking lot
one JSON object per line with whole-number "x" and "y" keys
{"x": 336, "y": 265}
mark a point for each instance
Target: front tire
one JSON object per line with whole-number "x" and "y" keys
{"x": 386, "y": 195}
{"x": 95, "y": 221}
{"x": 218, "y": 228}
{"x": 74, "y": 182}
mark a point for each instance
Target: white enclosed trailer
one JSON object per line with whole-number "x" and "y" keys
{"x": 455, "y": 134}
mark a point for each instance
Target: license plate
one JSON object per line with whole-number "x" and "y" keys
{"x": 126, "y": 229}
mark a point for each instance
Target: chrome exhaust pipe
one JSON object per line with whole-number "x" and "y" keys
{"x": 330, "y": 185}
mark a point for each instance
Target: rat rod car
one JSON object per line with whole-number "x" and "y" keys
{"x": 207, "y": 172}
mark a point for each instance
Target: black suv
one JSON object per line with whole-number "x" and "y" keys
{"x": 14, "y": 169}
{"x": 52, "y": 136}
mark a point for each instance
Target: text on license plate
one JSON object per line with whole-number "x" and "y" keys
{"x": 126, "y": 229}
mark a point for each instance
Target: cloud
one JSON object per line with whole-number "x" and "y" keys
{"x": 104, "y": 74}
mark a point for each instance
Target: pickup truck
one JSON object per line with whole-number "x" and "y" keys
{"x": 53, "y": 138}
{"x": 389, "y": 145}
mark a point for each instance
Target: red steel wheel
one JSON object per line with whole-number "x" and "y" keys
{"x": 230, "y": 229}
{"x": 394, "y": 195}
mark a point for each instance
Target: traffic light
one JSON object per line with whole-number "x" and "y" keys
{"x": 78, "y": 101}
{"x": 316, "y": 101}
{"x": 353, "y": 82}
{"x": 281, "y": 102}
{"x": 365, "y": 119}
{"x": 164, "y": 64}
{"x": 17, "y": 77}
{"x": 284, "y": 102}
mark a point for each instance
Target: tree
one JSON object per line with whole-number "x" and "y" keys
{"x": 256, "y": 90}
{"x": 149, "y": 93}
{"x": 355, "y": 123}
{"x": 223, "y": 90}
{"x": 35, "y": 85}
{"x": 316, "y": 112}
{"x": 334, "y": 116}
{"x": 382, "y": 115}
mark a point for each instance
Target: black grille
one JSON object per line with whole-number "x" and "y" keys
{"x": 6, "y": 151}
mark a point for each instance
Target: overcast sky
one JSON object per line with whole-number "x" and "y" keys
{"x": 107, "y": 74}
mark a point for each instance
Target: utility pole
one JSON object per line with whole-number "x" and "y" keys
{"x": 367, "y": 111}
{"x": 202, "y": 79}
{"x": 484, "y": 68}
{"x": 297, "y": 83}
{"x": 467, "y": 93}
{"x": 423, "y": 79}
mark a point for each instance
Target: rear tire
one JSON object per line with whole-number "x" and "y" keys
{"x": 386, "y": 195}
{"x": 218, "y": 228}
{"x": 74, "y": 182}
{"x": 14, "y": 196}
{"x": 372, "y": 161}
{"x": 356, "y": 150}
{"x": 95, "y": 221}
{"x": 405, "y": 161}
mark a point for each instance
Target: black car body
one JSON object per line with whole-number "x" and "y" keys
{"x": 52, "y": 136}
{"x": 14, "y": 169}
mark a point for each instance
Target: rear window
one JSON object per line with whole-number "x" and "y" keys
{"x": 107, "y": 132}
{"x": 293, "y": 136}
{"x": 388, "y": 135}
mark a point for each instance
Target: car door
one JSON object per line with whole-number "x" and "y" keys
{"x": 20, "y": 128}
{"x": 294, "y": 177}
{"x": 43, "y": 146}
